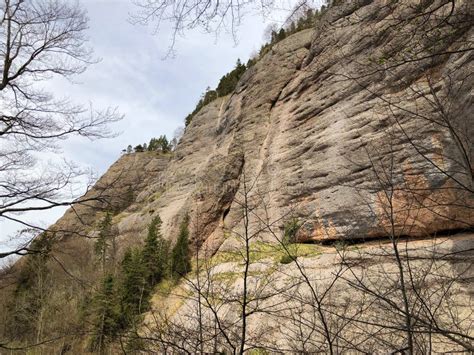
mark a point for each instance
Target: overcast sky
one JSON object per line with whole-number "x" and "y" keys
{"x": 153, "y": 93}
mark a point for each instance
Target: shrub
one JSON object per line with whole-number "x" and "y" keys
{"x": 291, "y": 230}
{"x": 287, "y": 259}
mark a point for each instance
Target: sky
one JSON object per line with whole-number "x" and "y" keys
{"x": 152, "y": 91}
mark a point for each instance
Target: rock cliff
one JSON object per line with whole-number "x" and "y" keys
{"x": 358, "y": 130}
{"x": 315, "y": 122}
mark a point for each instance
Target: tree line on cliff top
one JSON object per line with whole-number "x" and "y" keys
{"x": 301, "y": 19}
{"x": 160, "y": 144}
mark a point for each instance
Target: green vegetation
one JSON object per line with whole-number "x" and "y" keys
{"x": 106, "y": 313}
{"x": 160, "y": 144}
{"x": 229, "y": 81}
{"x": 156, "y": 253}
{"x": 134, "y": 289}
{"x": 287, "y": 258}
{"x": 181, "y": 256}
{"x": 114, "y": 304}
{"x": 261, "y": 251}
{"x": 207, "y": 97}
{"x": 226, "y": 85}
{"x": 291, "y": 229}
{"x": 121, "y": 299}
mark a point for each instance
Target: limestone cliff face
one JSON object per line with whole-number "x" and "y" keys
{"x": 360, "y": 128}
{"x": 316, "y": 124}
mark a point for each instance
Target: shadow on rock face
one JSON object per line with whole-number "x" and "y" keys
{"x": 461, "y": 261}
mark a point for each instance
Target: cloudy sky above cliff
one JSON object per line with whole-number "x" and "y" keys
{"x": 153, "y": 92}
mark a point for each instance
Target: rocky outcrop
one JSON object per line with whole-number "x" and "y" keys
{"x": 316, "y": 124}
{"x": 115, "y": 192}
{"x": 358, "y": 130}
{"x": 350, "y": 290}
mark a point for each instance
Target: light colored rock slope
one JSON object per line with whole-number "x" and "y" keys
{"x": 115, "y": 191}
{"x": 355, "y": 288}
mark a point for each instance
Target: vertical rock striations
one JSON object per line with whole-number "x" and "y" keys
{"x": 318, "y": 119}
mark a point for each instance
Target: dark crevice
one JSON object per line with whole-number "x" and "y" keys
{"x": 386, "y": 238}
{"x": 277, "y": 97}
{"x": 226, "y": 212}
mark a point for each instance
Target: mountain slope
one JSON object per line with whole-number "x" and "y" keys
{"x": 358, "y": 130}
{"x": 312, "y": 118}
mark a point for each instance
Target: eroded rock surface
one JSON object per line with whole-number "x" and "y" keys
{"x": 353, "y": 292}
{"x": 315, "y": 126}
{"x": 354, "y": 130}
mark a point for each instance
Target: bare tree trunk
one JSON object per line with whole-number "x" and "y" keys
{"x": 246, "y": 265}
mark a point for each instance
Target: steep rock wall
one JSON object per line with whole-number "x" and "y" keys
{"x": 315, "y": 122}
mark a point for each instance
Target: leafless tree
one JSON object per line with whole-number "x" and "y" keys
{"x": 419, "y": 293}
{"x": 415, "y": 292}
{"x": 41, "y": 40}
{"x": 410, "y": 298}
{"x": 404, "y": 298}
{"x": 211, "y": 16}
{"x": 177, "y": 135}
{"x": 216, "y": 307}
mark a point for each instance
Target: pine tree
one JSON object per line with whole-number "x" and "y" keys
{"x": 292, "y": 27}
{"x": 163, "y": 144}
{"x": 226, "y": 85}
{"x": 180, "y": 256}
{"x": 158, "y": 144}
{"x": 103, "y": 242}
{"x": 281, "y": 35}
{"x": 153, "y": 145}
{"x": 106, "y": 315}
{"x": 134, "y": 291}
{"x": 188, "y": 119}
{"x": 273, "y": 37}
{"x": 155, "y": 253}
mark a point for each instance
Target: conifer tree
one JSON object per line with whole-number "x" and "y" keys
{"x": 163, "y": 144}
{"x": 103, "y": 242}
{"x": 153, "y": 144}
{"x": 180, "y": 256}
{"x": 281, "y": 35}
{"x": 134, "y": 291}
{"x": 155, "y": 253}
{"x": 106, "y": 315}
